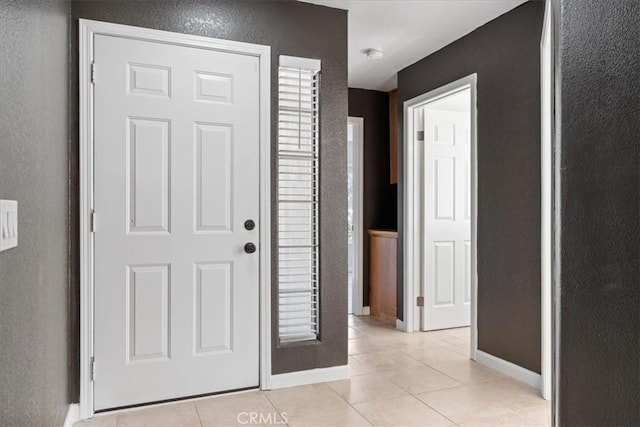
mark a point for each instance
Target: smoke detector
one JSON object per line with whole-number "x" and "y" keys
{"x": 373, "y": 53}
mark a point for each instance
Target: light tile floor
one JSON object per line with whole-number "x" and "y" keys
{"x": 397, "y": 379}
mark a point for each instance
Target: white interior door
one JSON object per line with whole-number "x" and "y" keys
{"x": 176, "y": 175}
{"x": 447, "y": 217}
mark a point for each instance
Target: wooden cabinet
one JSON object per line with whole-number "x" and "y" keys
{"x": 383, "y": 289}
{"x": 393, "y": 135}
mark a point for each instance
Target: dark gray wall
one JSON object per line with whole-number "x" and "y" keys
{"x": 379, "y": 198}
{"x": 505, "y": 53}
{"x": 34, "y": 293}
{"x": 598, "y": 58}
{"x": 290, "y": 28}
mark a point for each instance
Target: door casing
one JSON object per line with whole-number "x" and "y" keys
{"x": 358, "y": 187}
{"x": 413, "y": 275}
{"x": 87, "y": 30}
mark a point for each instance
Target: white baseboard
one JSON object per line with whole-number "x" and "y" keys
{"x": 510, "y": 369}
{"x": 366, "y": 311}
{"x": 311, "y": 376}
{"x": 401, "y": 325}
{"x": 73, "y": 415}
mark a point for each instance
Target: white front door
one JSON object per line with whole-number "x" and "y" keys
{"x": 176, "y": 175}
{"x": 447, "y": 217}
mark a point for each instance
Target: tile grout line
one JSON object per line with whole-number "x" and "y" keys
{"x": 350, "y": 405}
{"x": 198, "y": 414}
{"x": 273, "y": 405}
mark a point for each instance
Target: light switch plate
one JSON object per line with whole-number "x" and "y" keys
{"x": 8, "y": 224}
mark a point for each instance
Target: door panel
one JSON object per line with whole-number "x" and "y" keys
{"x": 175, "y": 175}
{"x": 447, "y": 219}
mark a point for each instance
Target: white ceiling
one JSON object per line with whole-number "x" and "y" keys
{"x": 407, "y": 31}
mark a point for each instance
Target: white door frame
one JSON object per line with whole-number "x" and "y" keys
{"x": 358, "y": 235}
{"x": 546, "y": 198}
{"x": 87, "y": 31}
{"x": 414, "y": 193}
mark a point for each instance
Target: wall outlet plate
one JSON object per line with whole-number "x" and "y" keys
{"x": 8, "y": 224}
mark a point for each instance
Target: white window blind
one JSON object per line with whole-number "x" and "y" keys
{"x": 298, "y": 185}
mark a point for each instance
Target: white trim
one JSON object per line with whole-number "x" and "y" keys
{"x": 401, "y": 325}
{"x": 507, "y": 368}
{"x": 87, "y": 30}
{"x": 73, "y": 415}
{"x": 297, "y": 62}
{"x": 546, "y": 197}
{"x": 366, "y": 311}
{"x": 358, "y": 234}
{"x": 311, "y": 376}
{"x": 413, "y": 194}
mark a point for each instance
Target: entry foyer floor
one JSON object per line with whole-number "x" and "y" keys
{"x": 397, "y": 379}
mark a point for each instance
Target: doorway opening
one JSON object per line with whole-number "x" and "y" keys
{"x": 441, "y": 210}
{"x": 355, "y": 138}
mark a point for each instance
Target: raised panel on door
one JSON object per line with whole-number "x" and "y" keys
{"x": 214, "y": 177}
{"x": 149, "y": 80}
{"x": 444, "y": 273}
{"x": 444, "y": 186}
{"x": 148, "y": 288}
{"x": 213, "y": 307}
{"x": 148, "y": 174}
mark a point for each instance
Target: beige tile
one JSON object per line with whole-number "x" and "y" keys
{"x": 465, "y": 403}
{"x": 358, "y": 368}
{"x": 364, "y": 345}
{"x": 406, "y": 411}
{"x": 387, "y": 359}
{"x": 306, "y": 396}
{"x": 420, "y": 379}
{"x": 467, "y": 371}
{"x": 460, "y": 333}
{"x": 99, "y": 420}
{"x": 416, "y": 339}
{"x": 540, "y": 414}
{"x": 373, "y": 321}
{"x": 513, "y": 394}
{"x": 355, "y": 320}
{"x": 367, "y": 388}
{"x": 175, "y": 415}
{"x": 432, "y": 355}
{"x": 237, "y": 409}
{"x": 461, "y": 350}
{"x": 354, "y": 333}
{"x": 323, "y": 417}
{"x": 507, "y": 420}
{"x": 379, "y": 331}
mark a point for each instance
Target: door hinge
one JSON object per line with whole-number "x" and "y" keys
{"x": 93, "y": 369}
{"x": 93, "y": 221}
{"x": 420, "y": 135}
{"x": 93, "y": 72}
{"x": 420, "y": 301}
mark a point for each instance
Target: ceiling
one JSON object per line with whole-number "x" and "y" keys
{"x": 407, "y": 31}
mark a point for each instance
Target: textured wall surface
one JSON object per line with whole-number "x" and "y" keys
{"x": 505, "y": 53}
{"x": 379, "y": 196}
{"x": 598, "y": 58}
{"x": 290, "y": 28}
{"x": 34, "y": 293}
